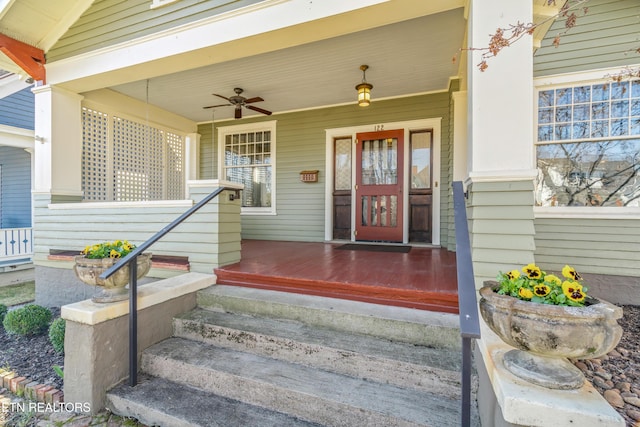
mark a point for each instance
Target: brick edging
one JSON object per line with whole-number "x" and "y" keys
{"x": 12, "y": 382}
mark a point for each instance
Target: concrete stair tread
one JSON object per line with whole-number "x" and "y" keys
{"x": 157, "y": 401}
{"x": 277, "y": 384}
{"x": 440, "y": 330}
{"x": 236, "y": 328}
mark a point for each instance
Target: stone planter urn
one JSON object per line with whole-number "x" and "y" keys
{"x": 114, "y": 288}
{"x": 546, "y": 335}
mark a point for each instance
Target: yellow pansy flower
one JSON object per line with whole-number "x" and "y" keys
{"x": 513, "y": 274}
{"x": 532, "y": 271}
{"x": 525, "y": 293}
{"x": 541, "y": 290}
{"x": 570, "y": 273}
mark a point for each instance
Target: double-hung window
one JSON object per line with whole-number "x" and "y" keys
{"x": 248, "y": 157}
{"x": 588, "y": 145}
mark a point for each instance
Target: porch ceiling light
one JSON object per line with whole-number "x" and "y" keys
{"x": 364, "y": 89}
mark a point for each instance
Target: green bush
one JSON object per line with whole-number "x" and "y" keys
{"x": 29, "y": 320}
{"x": 56, "y": 334}
{"x": 3, "y": 312}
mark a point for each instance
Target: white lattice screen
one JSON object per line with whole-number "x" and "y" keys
{"x": 175, "y": 162}
{"x": 94, "y": 155}
{"x": 125, "y": 160}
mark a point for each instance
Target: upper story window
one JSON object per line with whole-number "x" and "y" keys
{"x": 588, "y": 145}
{"x": 248, "y": 153}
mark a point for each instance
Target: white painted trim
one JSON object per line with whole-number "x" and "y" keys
{"x": 586, "y": 212}
{"x": 12, "y": 84}
{"x": 16, "y": 137}
{"x": 244, "y": 22}
{"x": 156, "y": 4}
{"x": 120, "y": 205}
{"x": 64, "y": 23}
{"x": 407, "y": 126}
{"x": 601, "y": 74}
{"x": 502, "y": 176}
{"x": 270, "y": 125}
{"x": 201, "y": 183}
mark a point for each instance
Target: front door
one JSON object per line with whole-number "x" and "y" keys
{"x": 379, "y": 172}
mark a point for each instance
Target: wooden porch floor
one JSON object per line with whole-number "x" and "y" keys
{"x": 423, "y": 278}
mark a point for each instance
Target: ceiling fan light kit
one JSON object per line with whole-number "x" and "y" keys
{"x": 364, "y": 89}
{"x": 238, "y": 101}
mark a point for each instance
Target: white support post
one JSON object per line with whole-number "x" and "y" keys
{"x": 58, "y": 141}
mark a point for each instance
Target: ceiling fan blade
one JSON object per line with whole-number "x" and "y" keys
{"x": 250, "y": 100}
{"x": 214, "y": 106}
{"x": 223, "y": 97}
{"x": 259, "y": 110}
{"x": 238, "y": 114}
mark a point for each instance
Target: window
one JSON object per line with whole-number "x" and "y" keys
{"x": 248, "y": 155}
{"x": 588, "y": 149}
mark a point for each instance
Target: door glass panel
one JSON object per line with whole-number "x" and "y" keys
{"x": 394, "y": 211}
{"x": 421, "y": 160}
{"x": 383, "y": 211}
{"x": 374, "y": 209}
{"x": 343, "y": 164}
{"x": 380, "y": 161}
{"x": 365, "y": 211}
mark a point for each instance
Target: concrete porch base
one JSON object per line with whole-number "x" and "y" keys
{"x": 505, "y": 400}
{"x": 97, "y": 335}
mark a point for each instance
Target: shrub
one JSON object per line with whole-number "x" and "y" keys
{"x": 29, "y": 320}
{"x": 56, "y": 334}
{"x": 3, "y": 312}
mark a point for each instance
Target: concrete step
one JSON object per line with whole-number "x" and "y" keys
{"x": 438, "y": 330}
{"x": 311, "y": 394}
{"x": 158, "y": 402}
{"x": 424, "y": 368}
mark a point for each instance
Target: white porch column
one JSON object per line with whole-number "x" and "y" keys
{"x": 500, "y": 151}
{"x": 58, "y": 146}
{"x": 460, "y": 110}
{"x": 191, "y": 164}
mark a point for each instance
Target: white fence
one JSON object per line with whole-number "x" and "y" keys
{"x": 16, "y": 243}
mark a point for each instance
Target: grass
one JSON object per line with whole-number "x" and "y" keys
{"x": 17, "y": 294}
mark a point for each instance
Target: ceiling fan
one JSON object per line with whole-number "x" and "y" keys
{"x": 239, "y": 101}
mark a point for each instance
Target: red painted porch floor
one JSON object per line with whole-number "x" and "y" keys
{"x": 424, "y": 278}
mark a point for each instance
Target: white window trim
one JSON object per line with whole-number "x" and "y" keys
{"x": 251, "y": 127}
{"x": 578, "y": 212}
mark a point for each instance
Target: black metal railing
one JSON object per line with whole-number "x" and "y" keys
{"x": 467, "y": 301}
{"x": 131, "y": 259}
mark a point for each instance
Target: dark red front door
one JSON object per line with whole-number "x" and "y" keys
{"x": 379, "y": 181}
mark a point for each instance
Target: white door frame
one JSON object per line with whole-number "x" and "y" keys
{"x": 408, "y": 126}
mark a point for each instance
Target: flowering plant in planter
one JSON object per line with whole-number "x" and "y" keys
{"x": 115, "y": 249}
{"x": 535, "y": 285}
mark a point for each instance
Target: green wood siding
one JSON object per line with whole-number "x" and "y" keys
{"x": 501, "y": 226}
{"x": 109, "y": 22}
{"x": 208, "y": 237}
{"x": 607, "y": 36}
{"x": 301, "y": 145}
{"x": 604, "y": 246}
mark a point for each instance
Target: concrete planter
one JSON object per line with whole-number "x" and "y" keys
{"x": 113, "y": 288}
{"x": 545, "y": 335}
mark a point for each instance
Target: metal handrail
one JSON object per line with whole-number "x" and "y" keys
{"x": 467, "y": 301}
{"x": 131, "y": 259}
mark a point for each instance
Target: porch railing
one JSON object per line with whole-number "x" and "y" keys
{"x": 133, "y": 279}
{"x": 467, "y": 302}
{"x": 16, "y": 243}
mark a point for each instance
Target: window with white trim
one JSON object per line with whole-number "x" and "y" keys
{"x": 248, "y": 156}
{"x": 588, "y": 145}
{"x": 125, "y": 160}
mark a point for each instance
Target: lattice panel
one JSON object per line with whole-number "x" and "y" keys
{"x": 137, "y": 161}
{"x": 175, "y": 168}
{"x": 95, "y": 137}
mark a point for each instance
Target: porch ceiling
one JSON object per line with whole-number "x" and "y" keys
{"x": 405, "y": 58}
